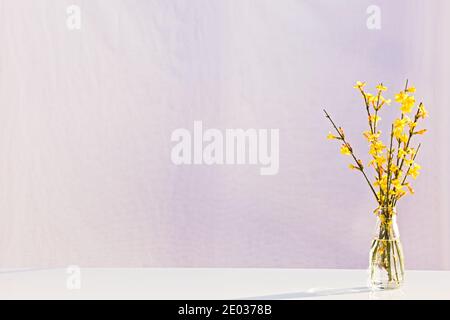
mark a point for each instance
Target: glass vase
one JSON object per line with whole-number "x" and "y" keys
{"x": 386, "y": 253}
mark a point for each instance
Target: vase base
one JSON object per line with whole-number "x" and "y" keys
{"x": 385, "y": 285}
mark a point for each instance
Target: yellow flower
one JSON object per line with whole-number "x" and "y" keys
{"x": 359, "y": 85}
{"x": 381, "y": 101}
{"x": 408, "y": 104}
{"x": 374, "y": 118}
{"x": 399, "y": 193}
{"x": 397, "y": 184}
{"x": 345, "y": 150}
{"x": 423, "y": 113}
{"x": 353, "y": 167}
{"x": 401, "y": 153}
{"x": 330, "y": 136}
{"x": 380, "y": 161}
{"x": 411, "y": 89}
{"x": 376, "y": 148}
{"x": 400, "y": 97}
{"x": 394, "y": 168}
{"x": 398, "y": 187}
{"x": 380, "y": 87}
{"x": 399, "y": 125}
{"x": 411, "y": 190}
{"x": 382, "y": 183}
{"x": 385, "y": 101}
{"x": 371, "y": 137}
{"x": 370, "y": 98}
{"x": 421, "y": 131}
{"x": 404, "y": 138}
{"x": 411, "y": 152}
{"x": 382, "y": 198}
{"x": 414, "y": 170}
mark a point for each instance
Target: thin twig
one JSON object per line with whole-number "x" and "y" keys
{"x": 368, "y": 110}
{"x": 352, "y": 154}
{"x": 389, "y": 167}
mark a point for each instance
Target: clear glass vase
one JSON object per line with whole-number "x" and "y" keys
{"x": 386, "y": 253}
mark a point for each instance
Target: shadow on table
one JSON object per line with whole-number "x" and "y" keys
{"x": 311, "y": 293}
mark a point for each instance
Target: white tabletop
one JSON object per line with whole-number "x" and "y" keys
{"x": 214, "y": 284}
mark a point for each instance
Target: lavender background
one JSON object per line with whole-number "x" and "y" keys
{"x": 86, "y": 118}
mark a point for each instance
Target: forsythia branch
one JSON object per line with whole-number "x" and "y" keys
{"x": 361, "y": 168}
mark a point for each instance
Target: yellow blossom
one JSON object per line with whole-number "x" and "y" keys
{"x": 359, "y": 85}
{"x": 401, "y": 153}
{"x": 399, "y": 193}
{"x": 408, "y": 104}
{"x": 396, "y": 183}
{"x": 423, "y": 113}
{"x": 353, "y": 167}
{"x": 399, "y": 125}
{"x": 376, "y": 148}
{"x": 414, "y": 170}
{"x": 345, "y": 150}
{"x": 374, "y": 118}
{"x": 380, "y": 87}
{"x": 393, "y": 168}
{"x": 385, "y": 101}
{"x": 382, "y": 183}
{"x": 381, "y": 101}
{"x": 371, "y": 137}
{"x": 404, "y": 138}
{"x": 411, "y": 152}
{"x": 398, "y": 187}
{"x": 381, "y": 197}
{"x": 400, "y": 97}
{"x": 421, "y": 131}
{"x": 370, "y": 98}
{"x": 411, "y": 89}
{"x": 411, "y": 190}
{"x": 379, "y": 161}
{"x": 330, "y": 136}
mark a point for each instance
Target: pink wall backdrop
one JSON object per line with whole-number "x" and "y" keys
{"x": 86, "y": 118}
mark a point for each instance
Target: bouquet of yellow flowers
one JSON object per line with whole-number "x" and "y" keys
{"x": 393, "y": 164}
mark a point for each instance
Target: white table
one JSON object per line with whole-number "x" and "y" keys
{"x": 215, "y": 284}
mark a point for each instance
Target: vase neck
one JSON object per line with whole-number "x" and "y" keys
{"x": 388, "y": 212}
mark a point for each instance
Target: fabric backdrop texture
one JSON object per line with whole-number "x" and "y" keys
{"x": 86, "y": 117}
